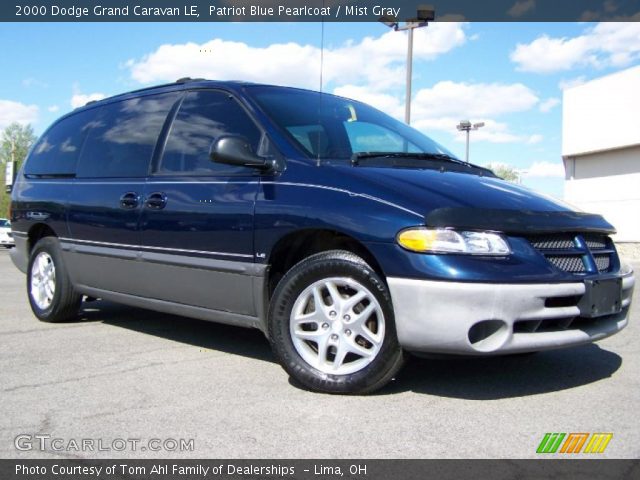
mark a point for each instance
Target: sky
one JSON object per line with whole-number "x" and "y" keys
{"x": 511, "y": 76}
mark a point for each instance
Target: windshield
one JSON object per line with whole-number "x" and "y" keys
{"x": 4, "y": 222}
{"x": 329, "y": 127}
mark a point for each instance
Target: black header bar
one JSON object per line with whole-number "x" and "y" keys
{"x": 123, "y": 469}
{"x": 316, "y": 10}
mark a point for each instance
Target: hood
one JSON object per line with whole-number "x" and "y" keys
{"x": 472, "y": 201}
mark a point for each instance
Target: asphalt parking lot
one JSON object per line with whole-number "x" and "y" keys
{"x": 123, "y": 373}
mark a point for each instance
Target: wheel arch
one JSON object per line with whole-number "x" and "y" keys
{"x": 300, "y": 244}
{"x": 36, "y": 232}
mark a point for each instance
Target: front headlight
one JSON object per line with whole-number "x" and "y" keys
{"x": 440, "y": 240}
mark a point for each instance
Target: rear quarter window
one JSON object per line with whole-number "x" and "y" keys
{"x": 56, "y": 152}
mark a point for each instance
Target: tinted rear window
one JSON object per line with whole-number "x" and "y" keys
{"x": 123, "y": 138}
{"x": 56, "y": 152}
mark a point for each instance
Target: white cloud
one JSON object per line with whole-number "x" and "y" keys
{"x": 549, "y": 104}
{"x": 571, "y": 82}
{"x": 471, "y": 100}
{"x": 545, "y": 170}
{"x": 11, "y": 111}
{"x": 81, "y": 99}
{"x": 605, "y": 45}
{"x": 53, "y": 108}
{"x": 376, "y": 61}
{"x": 547, "y": 55}
{"x": 521, "y": 7}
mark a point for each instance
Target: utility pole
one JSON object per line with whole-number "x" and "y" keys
{"x": 425, "y": 14}
{"x": 467, "y": 126}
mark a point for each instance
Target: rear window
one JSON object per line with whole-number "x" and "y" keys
{"x": 56, "y": 152}
{"x": 123, "y": 137}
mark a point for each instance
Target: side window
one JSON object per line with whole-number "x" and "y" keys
{"x": 121, "y": 142}
{"x": 368, "y": 137}
{"x": 204, "y": 116}
{"x": 56, "y": 152}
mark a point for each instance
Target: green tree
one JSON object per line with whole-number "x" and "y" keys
{"x": 15, "y": 142}
{"x": 505, "y": 172}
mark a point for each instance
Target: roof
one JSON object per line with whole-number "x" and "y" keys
{"x": 173, "y": 86}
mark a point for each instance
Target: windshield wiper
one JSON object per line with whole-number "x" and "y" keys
{"x": 358, "y": 156}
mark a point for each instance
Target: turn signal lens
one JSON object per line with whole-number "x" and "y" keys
{"x": 440, "y": 240}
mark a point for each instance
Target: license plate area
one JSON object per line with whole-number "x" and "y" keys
{"x": 601, "y": 297}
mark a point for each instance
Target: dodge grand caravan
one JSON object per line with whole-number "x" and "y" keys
{"x": 347, "y": 237}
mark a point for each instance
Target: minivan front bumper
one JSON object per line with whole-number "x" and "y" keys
{"x": 494, "y": 319}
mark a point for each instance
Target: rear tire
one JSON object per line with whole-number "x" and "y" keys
{"x": 51, "y": 294}
{"x": 331, "y": 325}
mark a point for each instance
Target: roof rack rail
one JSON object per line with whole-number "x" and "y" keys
{"x": 188, "y": 79}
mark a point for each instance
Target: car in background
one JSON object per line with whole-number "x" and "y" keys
{"x": 6, "y": 237}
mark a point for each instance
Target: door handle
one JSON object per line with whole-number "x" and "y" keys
{"x": 129, "y": 200}
{"x": 156, "y": 200}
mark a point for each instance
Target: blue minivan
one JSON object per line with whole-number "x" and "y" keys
{"x": 347, "y": 237}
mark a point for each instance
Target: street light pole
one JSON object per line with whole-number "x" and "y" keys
{"x": 466, "y": 155}
{"x": 425, "y": 14}
{"x": 407, "y": 101}
{"x": 467, "y": 126}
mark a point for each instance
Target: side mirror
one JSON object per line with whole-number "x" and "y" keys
{"x": 236, "y": 150}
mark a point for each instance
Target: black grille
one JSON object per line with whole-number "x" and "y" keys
{"x": 597, "y": 242}
{"x": 572, "y": 252}
{"x": 573, "y": 264}
{"x": 603, "y": 262}
{"x": 553, "y": 242}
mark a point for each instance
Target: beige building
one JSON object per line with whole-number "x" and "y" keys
{"x": 601, "y": 152}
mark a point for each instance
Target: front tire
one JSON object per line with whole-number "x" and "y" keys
{"x": 51, "y": 294}
{"x": 331, "y": 325}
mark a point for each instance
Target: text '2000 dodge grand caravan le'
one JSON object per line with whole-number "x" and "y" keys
{"x": 346, "y": 236}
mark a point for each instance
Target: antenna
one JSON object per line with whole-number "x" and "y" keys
{"x": 321, "y": 70}
{"x": 321, "y": 49}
